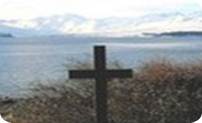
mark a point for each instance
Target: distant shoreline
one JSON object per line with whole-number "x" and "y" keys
{"x": 6, "y": 35}
{"x": 175, "y": 34}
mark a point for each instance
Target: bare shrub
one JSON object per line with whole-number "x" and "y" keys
{"x": 159, "y": 92}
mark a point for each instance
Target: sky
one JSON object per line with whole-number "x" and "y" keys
{"x": 27, "y": 9}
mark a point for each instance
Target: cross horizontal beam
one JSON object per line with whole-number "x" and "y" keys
{"x": 109, "y": 74}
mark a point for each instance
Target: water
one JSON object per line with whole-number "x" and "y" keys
{"x": 26, "y": 61}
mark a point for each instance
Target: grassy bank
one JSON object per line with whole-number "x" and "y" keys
{"x": 159, "y": 92}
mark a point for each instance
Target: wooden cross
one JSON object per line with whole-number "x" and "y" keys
{"x": 101, "y": 75}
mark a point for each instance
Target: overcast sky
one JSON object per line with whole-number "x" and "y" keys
{"x": 25, "y": 9}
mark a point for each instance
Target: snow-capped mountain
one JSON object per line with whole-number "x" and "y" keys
{"x": 113, "y": 26}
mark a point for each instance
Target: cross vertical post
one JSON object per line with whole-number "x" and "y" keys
{"x": 101, "y": 84}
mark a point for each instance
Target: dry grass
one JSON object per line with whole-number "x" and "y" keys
{"x": 159, "y": 92}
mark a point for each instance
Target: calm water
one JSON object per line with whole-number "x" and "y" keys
{"x": 25, "y": 61}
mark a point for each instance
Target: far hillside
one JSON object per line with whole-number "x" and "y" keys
{"x": 176, "y": 34}
{"x": 6, "y": 35}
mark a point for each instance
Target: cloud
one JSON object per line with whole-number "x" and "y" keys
{"x": 199, "y": 2}
{"x": 89, "y": 8}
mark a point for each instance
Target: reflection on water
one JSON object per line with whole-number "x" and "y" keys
{"x": 23, "y": 60}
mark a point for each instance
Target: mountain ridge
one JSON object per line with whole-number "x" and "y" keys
{"x": 112, "y": 26}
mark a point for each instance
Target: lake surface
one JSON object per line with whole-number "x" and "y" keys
{"x": 26, "y": 61}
